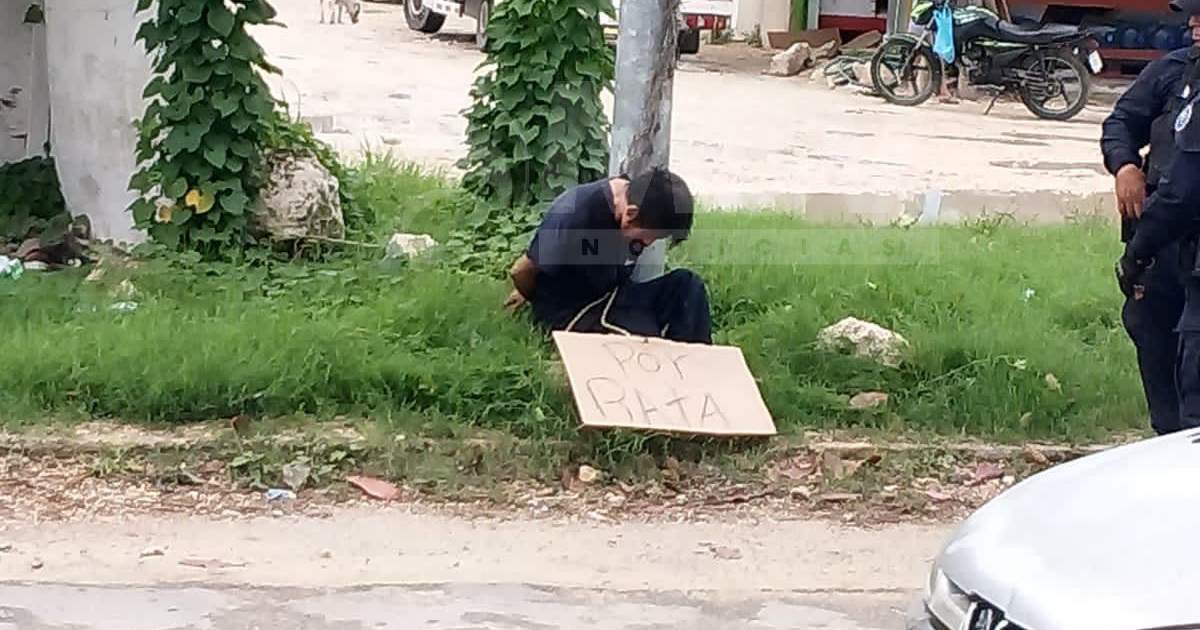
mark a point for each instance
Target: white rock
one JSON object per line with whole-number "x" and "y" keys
{"x": 865, "y": 340}
{"x": 296, "y": 474}
{"x": 152, "y": 552}
{"x": 791, "y": 61}
{"x": 818, "y": 74}
{"x": 125, "y": 291}
{"x": 862, "y": 73}
{"x": 869, "y": 400}
{"x": 408, "y": 245}
{"x": 300, "y": 199}
{"x": 587, "y": 474}
{"x": 828, "y": 50}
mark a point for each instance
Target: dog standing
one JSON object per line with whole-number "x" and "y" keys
{"x": 352, "y": 7}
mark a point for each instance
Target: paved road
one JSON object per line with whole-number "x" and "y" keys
{"x": 395, "y": 568}
{"x": 442, "y": 607}
{"x": 742, "y": 139}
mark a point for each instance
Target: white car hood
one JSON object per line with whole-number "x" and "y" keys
{"x": 1110, "y": 541}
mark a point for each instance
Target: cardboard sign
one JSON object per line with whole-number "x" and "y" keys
{"x": 660, "y": 385}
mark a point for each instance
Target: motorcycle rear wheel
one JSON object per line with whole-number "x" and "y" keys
{"x": 1062, "y": 77}
{"x": 901, "y": 63}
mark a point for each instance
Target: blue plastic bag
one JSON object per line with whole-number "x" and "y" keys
{"x": 943, "y": 39}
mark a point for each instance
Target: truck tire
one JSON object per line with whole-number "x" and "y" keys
{"x": 481, "y": 24}
{"x": 689, "y": 41}
{"x": 421, "y": 18}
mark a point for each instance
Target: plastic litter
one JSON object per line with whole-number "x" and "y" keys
{"x": 279, "y": 494}
{"x": 10, "y": 268}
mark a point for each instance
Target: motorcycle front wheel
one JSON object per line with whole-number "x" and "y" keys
{"x": 904, "y": 72}
{"x": 1055, "y": 86}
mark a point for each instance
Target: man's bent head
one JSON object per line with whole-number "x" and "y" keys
{"x": 657, "y": 204}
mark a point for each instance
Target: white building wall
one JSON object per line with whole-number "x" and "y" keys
{"x": 22, "y": 79}
{"x": 763, "y": 15}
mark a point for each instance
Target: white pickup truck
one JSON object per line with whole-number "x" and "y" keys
{"x": 427, "y": 16}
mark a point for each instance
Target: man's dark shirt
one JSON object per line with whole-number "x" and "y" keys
{"x": 1128, "y": 129}
{"x": 579, "y": 253}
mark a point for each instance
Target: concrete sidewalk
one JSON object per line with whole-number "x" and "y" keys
{"x": 392, "y": 568}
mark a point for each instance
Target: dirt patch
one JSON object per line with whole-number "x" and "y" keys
{"x": 101, "y": 470}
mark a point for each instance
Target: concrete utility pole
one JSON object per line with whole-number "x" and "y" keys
{"x": 641, "y": 134}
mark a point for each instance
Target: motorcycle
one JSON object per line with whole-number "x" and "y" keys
{"x": 1049, "y": 66}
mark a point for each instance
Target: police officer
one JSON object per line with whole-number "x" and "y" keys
{"x": 1172, "y": 214}
{"x": 1146, "y": 114}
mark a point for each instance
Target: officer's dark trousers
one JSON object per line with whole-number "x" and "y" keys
{"x": 674, "y": 306}
{"x": 1151, "y": 323}
{"x": 1188, "y": 368}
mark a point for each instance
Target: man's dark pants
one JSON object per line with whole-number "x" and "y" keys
{"x": 1171, "y": 382}
{"x": 673, "y": 306}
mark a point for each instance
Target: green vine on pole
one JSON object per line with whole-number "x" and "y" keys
{"x": 208, "y": 118}
{"x": 537, "y": 125}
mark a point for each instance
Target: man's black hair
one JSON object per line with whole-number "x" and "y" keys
{"x": 664, "y": 202}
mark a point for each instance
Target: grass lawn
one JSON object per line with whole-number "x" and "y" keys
{"x": 1015, "y": 330}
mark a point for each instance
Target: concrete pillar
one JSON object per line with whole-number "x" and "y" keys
{"x": 97, "y": 72}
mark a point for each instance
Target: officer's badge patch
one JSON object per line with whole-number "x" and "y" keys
{"x": 1184, "y": 117}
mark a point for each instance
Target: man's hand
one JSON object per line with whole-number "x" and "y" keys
{"x": 1129, "y": 276}
{"x": 1131, "y": 191}
{"x": 514, "y": 302}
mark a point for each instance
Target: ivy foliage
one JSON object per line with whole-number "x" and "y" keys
{"x": 31, "y": 201}
{"x": 537, "y": 125}
{"x": 206, "y": 124}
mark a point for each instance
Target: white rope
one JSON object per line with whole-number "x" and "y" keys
{"x": 612, "y": 296}
{"x": 584, "y": 311}
{"x": 604, "y": 317}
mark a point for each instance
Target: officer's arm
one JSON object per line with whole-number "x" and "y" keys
{"x": 1127, "y": 129}
{"x": 1172, "y": 208}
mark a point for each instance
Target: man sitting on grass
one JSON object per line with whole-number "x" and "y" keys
{"x": 576, "y": 272}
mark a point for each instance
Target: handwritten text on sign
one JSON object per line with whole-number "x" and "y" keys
{"x": 662, "y": 385}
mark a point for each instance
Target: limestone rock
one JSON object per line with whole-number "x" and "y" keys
{"x": 828, "y": 50}
{"x": 791, "y": 61}
{"x": 862, "y": 73}
{"x": 300, "y": 199}
{"x": 408, "y": 245}
{"x": 869, "y": 400}
{"x": 588, "y": 475}
{"x": 865, "y": 340}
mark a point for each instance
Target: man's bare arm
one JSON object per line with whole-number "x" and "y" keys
{"x": 524, "y": 280}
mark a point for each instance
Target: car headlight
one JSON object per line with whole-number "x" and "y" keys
{"x": 947, "y": 603}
